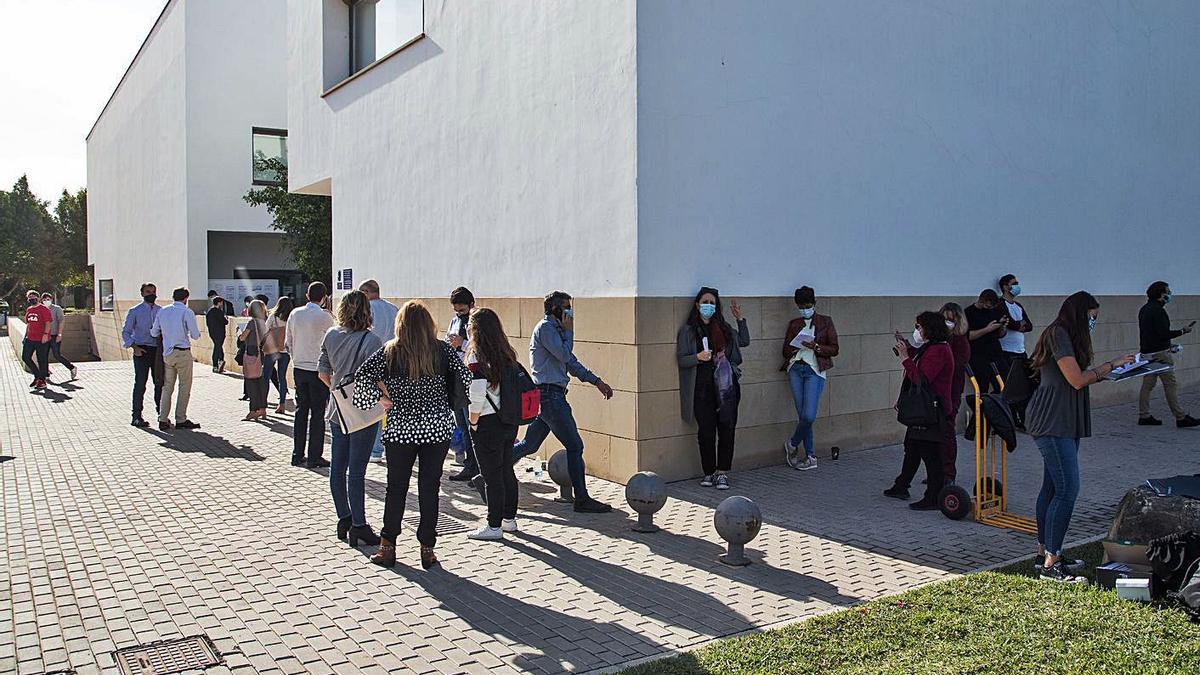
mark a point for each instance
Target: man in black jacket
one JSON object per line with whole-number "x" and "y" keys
{"x": 1155, "y": 327}
{"x": 214, "y": 319}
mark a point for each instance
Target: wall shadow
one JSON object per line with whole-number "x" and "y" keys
{"x": 195, "y": 441}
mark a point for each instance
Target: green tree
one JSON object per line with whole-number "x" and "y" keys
{"x": 26, "y": 228}
{"x": 305, "y": 220}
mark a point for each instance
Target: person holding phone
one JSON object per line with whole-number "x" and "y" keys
{"x": 1154, "y": 329}
{"x": 707, "y": 398}
{"x": 987, "y": 322}
{"x": 1058, "y": 416}
{"x": 1012, "y": 342}
{"x": 809, "y": 346}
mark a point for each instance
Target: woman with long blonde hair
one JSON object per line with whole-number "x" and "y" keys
{"x": 420, "y": 381}
{"x": 253, "y": 336}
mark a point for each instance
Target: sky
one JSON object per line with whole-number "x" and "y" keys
{"x": 59, "y": 62}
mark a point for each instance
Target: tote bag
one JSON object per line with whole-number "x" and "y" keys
{"x": 351, "y": 417}
{"x": 273, "y": 342}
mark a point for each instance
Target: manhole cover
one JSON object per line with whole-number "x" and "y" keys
{"x": 167, "y": 656}
{"x": 445, "y": 525}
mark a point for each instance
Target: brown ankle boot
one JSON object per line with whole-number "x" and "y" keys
{"x": 428, "y": 557}
{"x": 386, "y": 555}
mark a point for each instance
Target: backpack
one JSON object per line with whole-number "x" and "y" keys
{"x": 520, "y": 399}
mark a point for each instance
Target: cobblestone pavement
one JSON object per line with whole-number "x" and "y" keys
{"x": 115, "y": 536}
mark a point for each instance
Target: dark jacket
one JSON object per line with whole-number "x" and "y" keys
{"x": 214, "y": 320}
{"x": 1154, "y": 327}
{"x": 687, "y": 345}
{"x": 936, "y": 365}
{"x": 960, "y": 346}
{"x": 824, "y": 334}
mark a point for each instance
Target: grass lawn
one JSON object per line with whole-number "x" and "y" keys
{"x": 993, "y": 622}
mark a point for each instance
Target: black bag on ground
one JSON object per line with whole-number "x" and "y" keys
{"x": 999, "y": 418}
{"x": 1021, "y": 381}
{"x": 1172, "y": 557}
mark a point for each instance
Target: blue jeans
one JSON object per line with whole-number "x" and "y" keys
{"x": 556, "y": 417}
{"x": 807, "y": 386}
{"x": 1060, "y": 487}
{"x": 276, "y": 372}
{"x": 377, "y": 447}
{"x": 348, "y": 471}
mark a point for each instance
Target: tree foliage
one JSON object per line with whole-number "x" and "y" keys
{"x": 305, "y": 220}
{"x": 40, "y": 249}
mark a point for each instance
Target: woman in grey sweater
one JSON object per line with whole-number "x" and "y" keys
{"x": 709, "y": 352}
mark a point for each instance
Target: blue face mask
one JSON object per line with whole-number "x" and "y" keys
{"x": 1091, "y": 323}
{"x": 707, "y": 311}
{"x": 1015, "y": 289}
{"x": 1167, "y": 297}
{"x": 569, "y": 313}
{"x": 807, "y": 312}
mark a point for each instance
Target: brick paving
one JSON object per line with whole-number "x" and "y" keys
{"x": 115, "y": 536}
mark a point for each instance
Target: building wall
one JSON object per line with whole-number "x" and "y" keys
{"x": 137, "y": 196}
{"x": 885, "y": 147}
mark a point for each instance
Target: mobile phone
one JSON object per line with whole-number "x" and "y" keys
{"x": 1191, "y": 324}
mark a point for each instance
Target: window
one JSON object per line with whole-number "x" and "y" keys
{"x": 269, "y": 146}
{"x": 380, "y": 27}
{"x": 106, "y": 295}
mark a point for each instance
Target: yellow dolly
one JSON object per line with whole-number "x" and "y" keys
{"x": 991, "y": 472}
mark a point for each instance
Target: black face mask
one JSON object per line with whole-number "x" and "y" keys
{"x": 32, "y": 301}
{"x": 150, "y": 298}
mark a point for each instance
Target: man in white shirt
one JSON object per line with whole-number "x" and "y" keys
{"x": 462, "y": 301}
{"x": 176, "y": 326}
{"x": 1012, "y": 343}
{"x": 383, "y": 325}
{"x": 306, "y": 327}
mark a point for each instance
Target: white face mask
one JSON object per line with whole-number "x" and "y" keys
{"x": 46, "y": 303}
{"x": 917, "y": 340}
{"x": 950, "y": 325}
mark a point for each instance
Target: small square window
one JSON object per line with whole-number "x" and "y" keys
{"x": 268, "y": 146}
{"x": 106, "y": 303}
{"x": 380, "y": 27}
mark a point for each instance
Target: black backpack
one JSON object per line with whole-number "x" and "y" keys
{"x": 520, "y": 399}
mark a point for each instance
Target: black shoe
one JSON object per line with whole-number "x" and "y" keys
{"x": 139, "y": 423}
{"x": 924, "y": 505}
{"x": 478, "y": 485}
{"x": 896, "y": 493}
{"x": 318, "y": 463}
{"x": 297, "y": 461}
{"x": 1059, "y": 572}
{"x": 1149, "y": 421}
{"x": 164, "y": 426}
{"x": 589, "y": 505}
{"x": 244, "y": 398}
{"x": 1187, "y": 422}
{"x": 357, "y": 536}
{"x": 461, "y": 476}
{"x": 343, "y": 527}
{"x": 1072, "y": 565}
{"x": 187, "y": 424}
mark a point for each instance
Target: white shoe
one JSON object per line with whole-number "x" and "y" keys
{"x": 708, "y": 480}
{"x": 486, "y": 533}
{"x": 508, "y": 525}
{"x": 808, "y": 464}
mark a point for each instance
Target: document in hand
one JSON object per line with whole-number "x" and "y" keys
{"x": 803, "y": 336}
{"x": 1139, "y": 368}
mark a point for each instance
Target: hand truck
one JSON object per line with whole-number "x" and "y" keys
{"x": 991, "y": 471}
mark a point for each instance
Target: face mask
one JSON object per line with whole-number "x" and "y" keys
{"x": 707, "y": 311}
{"x": 569, "y": 313}
{"x": 1167, "y": 297}
{"x": 1015, "y": 289}
{"x": 46, "y": 303}
{"x": 150, "y": 298}
{"x": 807, "y": 313}
{"x": 917, "y": 340}
{"x": 950, "y": 325}
{"x": 32, "y": 302}
{"x": 1091, "y": 323}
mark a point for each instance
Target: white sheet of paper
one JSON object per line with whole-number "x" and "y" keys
{"x": 1138, "y": 362}
{"x": 802, "y": 337}
{"x": 704, "y": 342}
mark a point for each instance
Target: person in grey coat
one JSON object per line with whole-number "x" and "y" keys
{"x": 709, "y": 352}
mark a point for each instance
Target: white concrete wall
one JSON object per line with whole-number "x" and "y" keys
{"x": 498, "y": 152}
{"x": 892, "y": 147}
{"x": 137, "y": 199}
{"x": 311, "y": 26}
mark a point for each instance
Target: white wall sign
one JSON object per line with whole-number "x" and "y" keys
{"x": 233, "y": 290}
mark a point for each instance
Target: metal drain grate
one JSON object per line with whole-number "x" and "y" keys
{"x": 446, "y": 526}
{"x": 167, "y": 656}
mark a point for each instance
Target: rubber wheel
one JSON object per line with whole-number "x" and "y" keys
{"x": 954, "y": 502}
{"x": 989, "y": 481}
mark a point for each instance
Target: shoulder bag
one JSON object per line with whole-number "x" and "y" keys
{"x": 351, "y": 417}
{"x": 918, "y": 405}
{"x": 273, "y": 342}
{"x": 252, "y": 365}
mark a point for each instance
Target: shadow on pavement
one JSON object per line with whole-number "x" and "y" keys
{"x": 206, "y": 444}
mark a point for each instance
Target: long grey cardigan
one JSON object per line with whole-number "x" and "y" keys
{"x": 685, "y": 354}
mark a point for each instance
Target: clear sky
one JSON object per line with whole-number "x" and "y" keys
{"x": 59, "y": 61}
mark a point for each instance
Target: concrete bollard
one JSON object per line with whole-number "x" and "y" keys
{"x": 737, "y": 520}
{"x": 557, "y": 468}
{"x": 646, "y": 493}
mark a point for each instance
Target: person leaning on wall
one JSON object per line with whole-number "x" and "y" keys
{"x": 1154, "y": 328}
{"x": 809, "y": 346}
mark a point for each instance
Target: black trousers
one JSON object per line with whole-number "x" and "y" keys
{"x": 400, "y": 460}
{"x": 41, "y": 368}
{"x": 218, "y": 353}
{"x": 494, "y": 450}
{"x": 311, "y": 398}
{"x": 716, "y": 434}
{"x": 917, "y": 451}
{"x": 56, "y": 349}
{"x": 143, "y": 366}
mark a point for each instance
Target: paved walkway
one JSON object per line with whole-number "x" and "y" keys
{"x": 114, "y": 537}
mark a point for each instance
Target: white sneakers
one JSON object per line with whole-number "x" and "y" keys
{"x": 487, "y": 533}
{"x": 808, "y": 464}
{"x": 508, "y": 525}
{"x": 74, "y": 373}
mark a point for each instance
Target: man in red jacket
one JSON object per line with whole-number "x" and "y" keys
{"x": 37, "y": 339}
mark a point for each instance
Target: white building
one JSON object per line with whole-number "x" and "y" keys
{"x": 170, "y": 158}
{"x": 891, "y": 154}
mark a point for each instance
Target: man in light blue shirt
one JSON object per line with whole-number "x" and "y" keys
{"x": 553, "y": 359}
{"x": 176, "y": 325}
{"x": 136, "y": 335}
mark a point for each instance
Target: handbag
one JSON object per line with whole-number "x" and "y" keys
{"x": 351, "y": 417}
{"x": 918, "y": 405}
{"x": 274, "y": 340}
{"x": 252, "y": 365}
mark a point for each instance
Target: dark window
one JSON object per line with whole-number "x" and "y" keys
{"x": 106, "y": 295}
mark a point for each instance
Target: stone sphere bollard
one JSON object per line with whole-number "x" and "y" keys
{"x": 737, "y": 520}
{"x": 646, "y": 493}
{"x": 557, "y": 468}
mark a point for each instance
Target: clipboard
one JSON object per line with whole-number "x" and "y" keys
{"x": 1151, "y": 368}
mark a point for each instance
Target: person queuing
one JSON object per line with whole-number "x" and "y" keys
{"x": 276, "y": 358}
{"x": 383, "y": 324}
{"x": 1059, "y": 414}
{"x": 176, "y": 325}
{"x": 986, "y": 324}
{"x": 58, "y": 320}
{"x": 306, "y": 328}
{"x": 1154, "y": 329}
{"x": 246, "y": 305}
{"x": 493, "y": 360}
{"x": 344, "y": 349}
{"x": 809, "y": 346}
{"x": 1012, "y": 342}
{"x": 709, "y": 353}
{"x": 135, "y": 335}
{"x": 551, "y": 352}
{"x": 215, "y": 322}
{"x": 419, "y": 380}
{"x": 960, "y": 348}
{"x": 254, "y": 335}
{"x": 927, "y": 361}
{"x": 462, "y": 301}
{"x": 37, "y": 340}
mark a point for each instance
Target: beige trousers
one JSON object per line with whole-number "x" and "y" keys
{"x": 177, "y": 364}
{"x": 1170, "y": 387}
